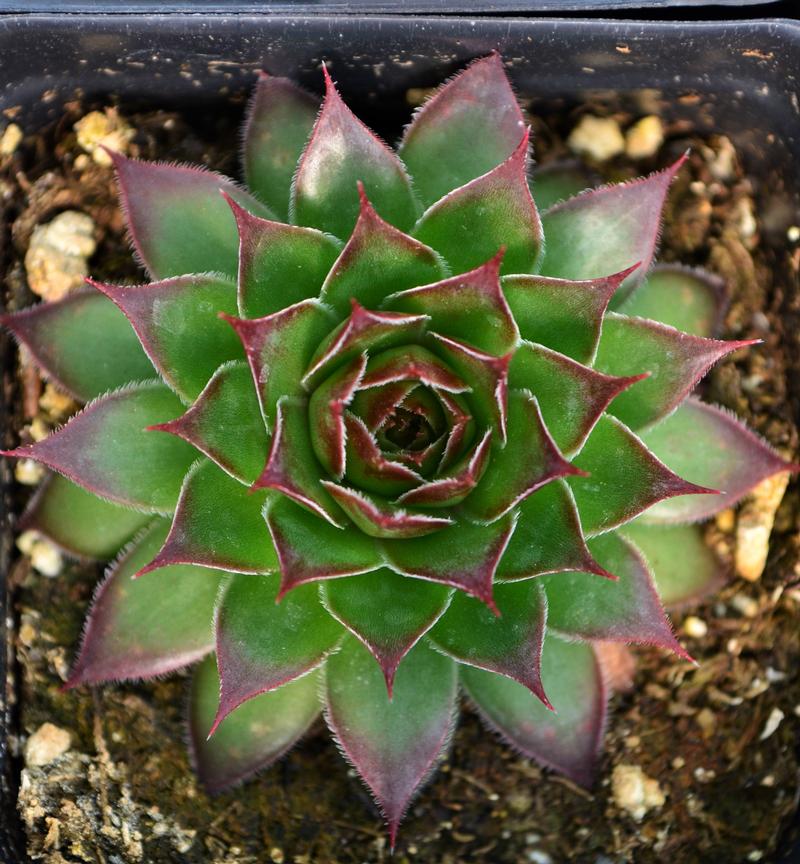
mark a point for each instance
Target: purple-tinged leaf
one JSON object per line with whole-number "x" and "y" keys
{"x": 709, "y": 446}
{"x": 375, "y": 405}
{"x": 326, "y": 414}
{"x": 453, "y": 486}
{"x": 381, "y": 518}
{"x": 392, "y": 743}
{"x": 279, "y": 264}
{"x": 280, "y": 118}
{"x": 439, "y": 146}
{"x": 567, "y": 739}
{"x": 263, "y": 644}
{"x": 548, "y": 537}
{"x": 342, "y": 152}
{"x": 529, "y": 460}
{"x": 488, "y": 377}
{"x": 374, "y": 247}
{"x": 80, "y": 523}
{"x": 292, "y": 468}
{"x": 217, "y": 524}
{"x": 426, "y": 460}
{"x": 509, "y": 644}
{"x": 686, "y": 298}
{"x": 82, "y": 342}
{"x": 571, "y": 396}
{"x": 108, "y": 450}
{"x": 310, "y": 549}
{"x": 278, "y": 348}
{"x": 363, "y": 330}
{"x": 623, "y": 477}
{"x": 560, "y": 180}
{"x": 461, "y": 426}
{"x": 225, "y": 423}
{"x": 177, "y": 322}
{"x": 603, "y": 230}
{"x": 147, "y": 627}
{"x": 683, "y": 565}
{"x": 676, "y": 362}
{"x": 470, "y": 307}
{"x": 496, "y": 211}
{"x": 177, "y": 218}
{"x": 464, "y": 556}
{"x": 587, "y": 606}
{"x": 257, "y": 734}
{"x": 388, "y": 612}
{"x": 563, "y": 315}
{"x": 367, "y": 466}
{"x": 411, "y": 363}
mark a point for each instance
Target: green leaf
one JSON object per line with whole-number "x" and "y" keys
{"x": 292, "y": 468}
{"x": 477, "y": 105}
{"x": 278, "y": 348}
{"x": 255, "y": 735}
{"x": 605, "y": 230}
{"x": 79, "y": 522}
{"x": 470, "y": 307}
{"x": 571, "y": 396}
{"x": 388, "y": 612}
{"x": 280, "y": 118}
{"x": 683, "y": 566}
{"x": 83, "y": 342}
{"x": 464, "y": 556}
{"x": 676, "y": 362}
{"x": 509, "y": 644}
{"x": 342, "y": 152}
{"x": 587, "y": 606}
{"x": 688, "y": 299}
{"x": 710, "y": 446}
{"x": 548, "y": 537}
{"x": 147, "y": 627}
{"x": 379, "y": 517}
{"x": 368, "y": 469}
{"x": 393, "y": 744}
{"x": 567, "y": 739}
{"x": 493, "y": 212}
{"x": 279, "y": 264}
{"x": 310, "y": 549}
{"x": 108, "y": 450}
{"x": 262, "y": 644}
{"x": 528, "y": 461}
{"x": 177, "y": 322}
{"x": 218, "y": 523}
{"x": 178, "y": 220}
{"x": 563, "y": 315}
{"x": 558, "y": 181}
{"x": 225, "y": 423}
{"x": 375, "y": 246}
{"x": 624, "y": 477}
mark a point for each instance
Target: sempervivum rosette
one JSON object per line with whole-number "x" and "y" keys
{"x": 372, "y": 430}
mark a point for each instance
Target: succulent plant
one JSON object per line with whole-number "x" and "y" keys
{"x": 373, "y": 435}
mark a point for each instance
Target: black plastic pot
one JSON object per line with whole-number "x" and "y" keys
{"x": 742, "y": 76}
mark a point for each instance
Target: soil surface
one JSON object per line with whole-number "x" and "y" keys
{"x": 719, "y": 739}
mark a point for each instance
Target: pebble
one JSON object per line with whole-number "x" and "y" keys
{"x": 46, "y": 558}
{"x": 644, "y": 138}
{"x": 746, "y": 606}
{"x": 754, "y": 526}
{"x": 57, "y": 259}
{"x": 722, "y": 163}
{"x": 600, "y": 138}
{"x": 635, "y": 792}
{"x": 47, "y": 743}
{"x": 695, "y": 627}
{"x": 100, "y": 129}
{"x": 10, "y": 140}
{"x": 56, "y": 404}
{"x": 793, "y": 233}
{"x": 773, "y": 722}
{"x": 28, "y": 473}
